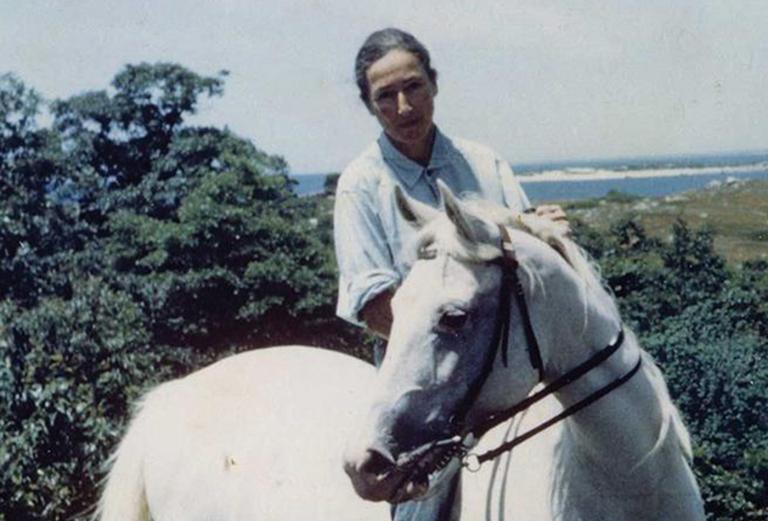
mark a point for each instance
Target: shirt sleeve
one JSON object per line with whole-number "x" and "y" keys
{"x": 514, "y": 196}
{"x": 366, "y": 268}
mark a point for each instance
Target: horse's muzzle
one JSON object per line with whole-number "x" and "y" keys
{"x": 377, "y": 478}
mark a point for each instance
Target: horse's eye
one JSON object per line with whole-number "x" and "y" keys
{"x": 452, "y": 320}
{"x": 426, "y": 253}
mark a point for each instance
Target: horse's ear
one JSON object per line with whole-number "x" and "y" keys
{"x": 414, "y": 212}
{"x": 455, "y": 213}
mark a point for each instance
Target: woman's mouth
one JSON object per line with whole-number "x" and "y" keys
{"x": 410, "y": 124}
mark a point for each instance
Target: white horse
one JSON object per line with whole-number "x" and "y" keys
{"x": 256, "y": 436}
{"x": 260, "y": 436}
{"x": 451, "y": 372}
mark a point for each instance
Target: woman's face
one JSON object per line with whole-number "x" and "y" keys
{"x": 401, "y": 98}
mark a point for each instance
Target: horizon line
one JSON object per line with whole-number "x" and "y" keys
{"x": 565, "y": 162}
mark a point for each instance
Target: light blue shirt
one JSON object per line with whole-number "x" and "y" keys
{"x": 370, "y": 234}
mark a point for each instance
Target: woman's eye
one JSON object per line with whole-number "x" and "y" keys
{"x": 452, "y": 321}
{"x": 412, "y": 87}
{"x": 426, "y": 253}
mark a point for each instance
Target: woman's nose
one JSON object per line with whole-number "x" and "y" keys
{"x": 403, "y": 106}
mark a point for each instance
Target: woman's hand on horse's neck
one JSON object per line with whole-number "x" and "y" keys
{"x": 377, "y": 314}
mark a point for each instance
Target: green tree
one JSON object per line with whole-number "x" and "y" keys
{"x": 34, "y": 229}
{"x": 239, "y": 265}
{"x": 134, "y": 247}
{"x": 329, "y": 185}
{"x": 119, "y": 141}
{"x": 68, "y": 372}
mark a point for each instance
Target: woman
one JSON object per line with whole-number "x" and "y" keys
{"x": 398, "y": 86}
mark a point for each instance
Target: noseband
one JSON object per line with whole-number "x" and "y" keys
{"x": 461, "y": 443}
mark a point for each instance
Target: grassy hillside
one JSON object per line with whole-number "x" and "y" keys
{"x": 736, "y": 212}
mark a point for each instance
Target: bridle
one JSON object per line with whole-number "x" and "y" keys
{"x": 459, "y": 444}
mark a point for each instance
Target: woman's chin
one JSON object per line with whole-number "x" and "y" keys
{"x": 410, "y": 138}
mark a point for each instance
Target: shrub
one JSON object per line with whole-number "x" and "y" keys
{"x": 69, "y": 370}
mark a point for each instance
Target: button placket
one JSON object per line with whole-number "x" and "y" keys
{"x": 431, "y": 176}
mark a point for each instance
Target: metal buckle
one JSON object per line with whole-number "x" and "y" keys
{"x": 471, "y": 462}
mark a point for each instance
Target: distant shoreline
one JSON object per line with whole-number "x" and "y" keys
{"x": 599, "y": 174}
{"x": 543, "y": 183}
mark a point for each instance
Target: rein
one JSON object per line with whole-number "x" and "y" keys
{"x": 510, "y": 281}
{"x": 473, "y": 461}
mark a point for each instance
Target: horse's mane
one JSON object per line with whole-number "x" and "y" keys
{"x": 552, "y": 233}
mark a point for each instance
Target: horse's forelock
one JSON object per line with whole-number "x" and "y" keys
{"x": 442, "y": 232}
{"x": 442, "y": 235}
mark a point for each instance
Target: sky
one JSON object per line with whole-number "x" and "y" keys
{"x": 536, "y": 80}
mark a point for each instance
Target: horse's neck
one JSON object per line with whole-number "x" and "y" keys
{"x": 618, "y": 432}
{"x": 620, "y": 428}
{"x": 576, "y": 322}
{"x": 623, "y": 457}
{"x": 622, "y": 446}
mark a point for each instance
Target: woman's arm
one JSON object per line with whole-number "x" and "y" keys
{"x": 377, "y": 314}
{"x": 366, "y": 270}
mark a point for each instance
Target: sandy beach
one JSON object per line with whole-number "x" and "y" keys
{"x": 589, "y": 174}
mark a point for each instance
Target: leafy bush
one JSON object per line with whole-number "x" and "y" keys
{"x": 706, "y": 326}
{"x": 134, "y": 248}
{"x": 69, "y": 370}
{"x": 719, "y": 383}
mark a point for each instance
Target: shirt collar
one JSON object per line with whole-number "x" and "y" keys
{"x": 410, "y": 171}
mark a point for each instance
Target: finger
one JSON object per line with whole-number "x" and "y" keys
{"x": 551, "y": 211}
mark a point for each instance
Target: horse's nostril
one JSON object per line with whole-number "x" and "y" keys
{"x": 375, "y": 464}
{"x": 374, "y": 475}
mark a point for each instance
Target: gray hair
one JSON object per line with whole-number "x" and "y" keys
{"x": 380, "y": 43}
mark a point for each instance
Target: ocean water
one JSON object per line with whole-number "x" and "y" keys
{"x": 543, "y": 191}
{"x": 309, "y": 184}
{"x": 714, "y": 169}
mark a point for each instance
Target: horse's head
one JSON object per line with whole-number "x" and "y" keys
{"x": 443, "y": 343}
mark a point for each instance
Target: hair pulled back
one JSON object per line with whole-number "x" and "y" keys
{"x": 380, "y": 43}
